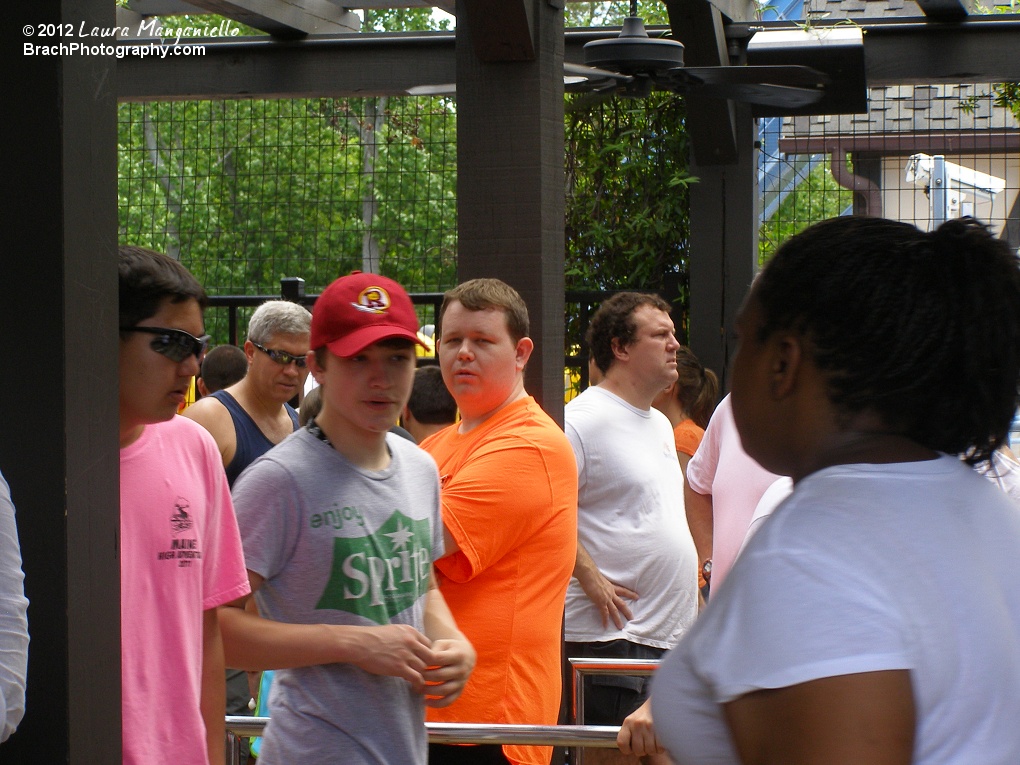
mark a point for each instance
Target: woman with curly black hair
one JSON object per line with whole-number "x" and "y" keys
{"x": 875, "y": 618}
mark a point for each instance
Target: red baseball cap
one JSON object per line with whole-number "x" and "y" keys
{"x": 360, "y": 309}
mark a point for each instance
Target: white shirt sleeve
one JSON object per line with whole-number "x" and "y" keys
{"x": 13, "y": 619}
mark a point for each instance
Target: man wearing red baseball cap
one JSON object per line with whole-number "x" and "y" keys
{"x": 340, "y": 525}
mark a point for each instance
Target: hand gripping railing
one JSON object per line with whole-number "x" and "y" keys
{"x": 574, "y": 736}
{"x": 600, "y": 736}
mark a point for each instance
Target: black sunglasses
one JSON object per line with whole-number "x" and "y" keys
{"x": 281, "y": 357}
{"x": 175, "y": 344}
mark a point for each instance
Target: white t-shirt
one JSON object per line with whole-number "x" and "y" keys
{"x": 631, "y": 520}
{"x": 866, "y": 568}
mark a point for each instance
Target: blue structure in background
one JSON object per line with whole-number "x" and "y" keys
{"x": 777, "y": 177}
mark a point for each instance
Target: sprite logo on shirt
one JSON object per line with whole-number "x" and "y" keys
{"x": 379, "y": 575}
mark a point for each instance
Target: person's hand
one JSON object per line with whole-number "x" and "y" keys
{"x": 637, "y": 734}
{"x": 610, "y": 598}
{"x": 397, "y": 650}
{"x": 448, "y": 674}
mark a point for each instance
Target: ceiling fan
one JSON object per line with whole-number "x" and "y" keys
{"x": 633, "y": 64}
{"x": 787, "y": 71}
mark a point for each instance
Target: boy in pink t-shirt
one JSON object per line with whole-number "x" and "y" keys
{"x": 180, "y": 548}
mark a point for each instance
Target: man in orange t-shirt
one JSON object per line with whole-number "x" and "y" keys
{"x": 509, "y": 503}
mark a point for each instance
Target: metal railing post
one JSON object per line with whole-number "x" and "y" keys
{"x": 590, "y": 667}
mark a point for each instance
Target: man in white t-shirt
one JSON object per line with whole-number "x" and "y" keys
{"x": 634, "y": 591}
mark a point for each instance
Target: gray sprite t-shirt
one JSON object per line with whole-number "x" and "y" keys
{"x": 336, "y": 544}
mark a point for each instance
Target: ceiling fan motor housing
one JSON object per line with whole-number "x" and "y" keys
{"x": 634, "y": 52}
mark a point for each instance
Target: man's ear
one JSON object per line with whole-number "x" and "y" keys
{"x": 312, "y": 362}
{"x": 523, "y": 351}
{"x": 619, "y": 349}
{"x": 249, "y": 350}
{"x": 788, "y": 354}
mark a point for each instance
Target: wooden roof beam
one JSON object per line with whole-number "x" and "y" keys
{"x": 286, "y": 18}
{"x": 946, "y": 10}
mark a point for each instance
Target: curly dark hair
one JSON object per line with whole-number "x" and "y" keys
{"x": 614, "y": 320}
{"x": 923, "y": 329}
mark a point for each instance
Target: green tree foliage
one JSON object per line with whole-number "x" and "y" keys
{"x": 627, "y": 178}
{"x": 604, "y": 14}
{"x": 1007, "y": 94}
{"x": 817, "y": 198}
{"x": 247, "y": 192}
{"x": 627, "y": 197}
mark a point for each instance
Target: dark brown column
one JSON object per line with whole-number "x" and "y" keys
{"x": 510, "y": 168}
{"x": 59, "y": 448}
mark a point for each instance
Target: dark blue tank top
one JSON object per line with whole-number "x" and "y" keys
{"x": 251, "y": 441}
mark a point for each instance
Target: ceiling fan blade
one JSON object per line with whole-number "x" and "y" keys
{"x": 442, "y": 89}
{"x": 794, "y": 76}
{"x": 590, "y": 79}
{"x": 784, "y": 96}
{"x": 593, "y": 73}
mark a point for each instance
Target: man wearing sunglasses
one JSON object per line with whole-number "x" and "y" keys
{"x": 180, "y": 549}
{"x": 250, "y": 417}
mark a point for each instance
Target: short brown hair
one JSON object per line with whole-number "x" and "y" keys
{"x": 614, "y": 320}
{"x": 482, "y": 294}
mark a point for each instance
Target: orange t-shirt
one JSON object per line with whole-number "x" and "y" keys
{"x": 688, "y": 437}
{"x": 509, "y": 498}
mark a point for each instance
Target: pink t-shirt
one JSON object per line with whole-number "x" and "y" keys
{"x": 736, "y": 482}
{"x": 180, "y": 555}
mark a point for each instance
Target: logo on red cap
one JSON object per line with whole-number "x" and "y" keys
{"x": 373, "y": 300}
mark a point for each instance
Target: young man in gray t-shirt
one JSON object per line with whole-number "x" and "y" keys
{"x": 340, "y": 525}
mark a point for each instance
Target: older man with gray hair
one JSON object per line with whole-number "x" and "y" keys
{"x": 250, "y": 417}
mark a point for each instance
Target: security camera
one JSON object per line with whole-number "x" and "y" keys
{"x": 922, "y": 170}
{"x": 951, "y": 189}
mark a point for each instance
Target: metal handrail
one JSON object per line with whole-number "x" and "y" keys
{"x": 577, "y": 736}
{"x": 584, "y": 666}
{"x": 597, "y": 736}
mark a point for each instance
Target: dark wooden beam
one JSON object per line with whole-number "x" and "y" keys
{"x": 922, "y": 53}
{"x": 946, "y": 10}
{"x": 723, "y": 246}
{"x": 60, "y": 450}
{"x": 978, "y": 50}
{"x": 501, "y": 30}
{"x": 286, "y": 18}
{"x": 699, "y": 25}
{"x": 510, "y": 204}
{"x": 358, "y": 65}
{"x": 889, "y": 144}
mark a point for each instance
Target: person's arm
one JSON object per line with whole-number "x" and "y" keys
{"x": 684, "y": 460}
{"x": 252, "y": 643}
{"x": 214, "y": 689}
{"x": 609, "y": 597}
{"x": 215, "y": 418}
{"x": 699, "y": 519}
{"x": 637, "y": 733}
{"x": 845, "y": 720}
{"x": 454, "y": 655}
{"x": 13, "y": 620}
